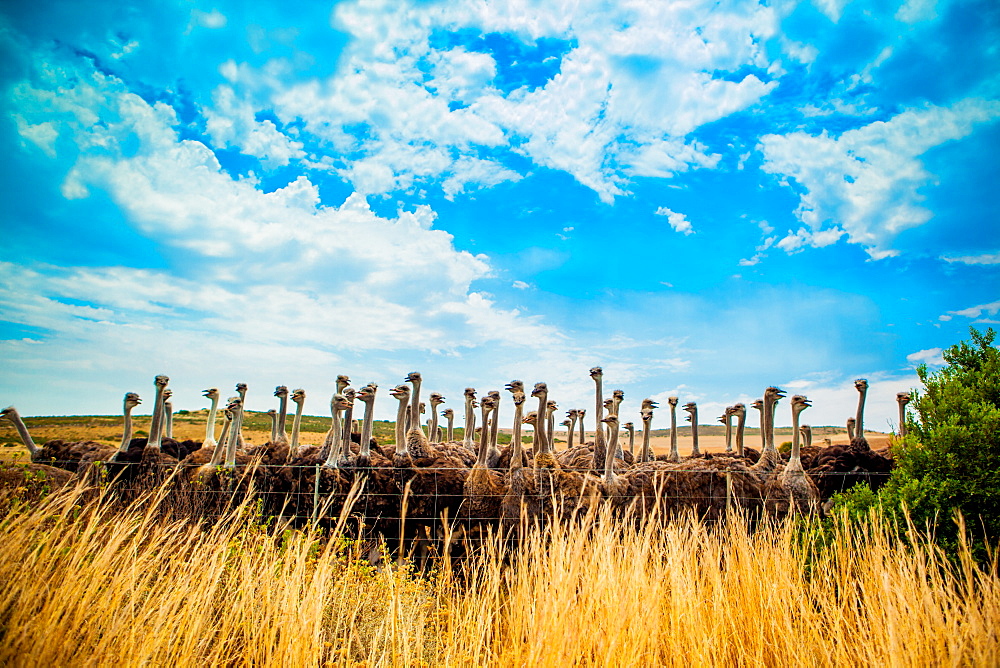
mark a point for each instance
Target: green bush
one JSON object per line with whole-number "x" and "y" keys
{"x": 950, "y": 460}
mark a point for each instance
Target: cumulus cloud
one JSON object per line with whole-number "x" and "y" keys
{"x": 986, "y": 258}
{"x": 677, "y": 221}
{"x": 975, "y": 311}
{"x": 866, "y": 183}
{"x": 931, "y": 356}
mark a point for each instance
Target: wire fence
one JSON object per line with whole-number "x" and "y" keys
{"x": 421, "y": 512}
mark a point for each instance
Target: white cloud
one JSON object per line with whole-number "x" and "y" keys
{"x": 976, "y": 311}
{"x": 931, "y": 356}
{"x": 676, "y": 220}
{"x": 520, "y": 285}
{"x": 915, "y": 11}
{"x": 986, "y": 258}
{"x": 230, "y": 122}
{"x": 866, "y": 182}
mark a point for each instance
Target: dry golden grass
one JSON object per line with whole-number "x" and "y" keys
{"x": 88, "y": 583}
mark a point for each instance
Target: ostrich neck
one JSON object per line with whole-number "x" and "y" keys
{"x": 296, "y": 425}
{"x": 333, "y": 456}
{"x": 569, "y": 434}
{"x": 695, "y": 450}
{"x": 673, "y": 431}
{"x": 434, "y": 424}
{"x": 22, "y": 431}
{"x": 239, "y": 423}
{"x": 631, "y": 442}
{"x": 729, "y": 433}
{"x": 647, "y": 427}
{"x": 850, "y": 430}
{"x": 583, "y": 432}
{"x": 156, "y": 423}
{"x": 550, "y": 431}
{"x": 540, "y": 444}
{"x": 795, "y": 460}
{"x": 859, "y": 428}
{"x": 274, "y": 427}
{"x": 484, "y": 440}
{"x": 451, "y": 428}
{"x": 127, "y": 433}
{"x": 769, "y": 408}
{"x": 763, "y": 428}
{"x": 470, "y": 423}
{"x": 210, "y": 425}
{"x": 494, "y": 426}
{"x": 609, "y": 460}
{"x": 599, "y": 414}
{"x": 741, "y": 421}
{"x": 220, "y": 447}
{"x": 168, "y": 419}
{"x": 400, "y": 436}
{"x": 347, "y": 423}
{"x": 234, "y": 437}
{"x": 415, "y": 407}
{"x": 366, "y": 428}
{"x": 515, "y": 438}
{"x": 282, "y": 414}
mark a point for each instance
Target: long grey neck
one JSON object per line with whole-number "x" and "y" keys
{"x": 451, "y": 427}
{"x": 234, "y": 437}
{"x": 631, "y": 442}
{"x": 902, "y": 419}
{"x": 293, "y": 448}
{"x": 221, "y": 446}
{"x": 22, "y": 431}
{"x": 569, "y": 433}
{"x": 543, "y": 437}
{"x": 168, "y": 419}
{"x": 850, "y": 430}
{"x": 415, "y": 407}
{"x": 156, "y": 423}
{"x": 210, "y": 425}
{"x": 599, "y": 415}
{"x": 282, "y": 416}
{"x": 470, "y": 422}
{"x": 619, "y": 452}
{"x": 729, "y": 432}
{"x": 609, "y": 460}
{"x": 583, "y": 432}
{"x": 550, "y": 431}
{"x": 348, "y": 423}
{"x": 401, "y": 448}
{"x": 484, "y": 439}
{"x": 127, "y": 433}
{"x": 763, "y": 428}
{"x": 795, "y": 460}
{"x": 239, "y": 423}
{"x": 517, "y": 451}
{"x": 366, "y": 429}
{"x": 769, "y": 407}
{"x": 673, "y": 432}
{"x": 333, "y": 457}
{"x": 274, "y": 427}
{"x": 433, "y": 429}
{"x": 741, "y": 420}
{"x": 647, "y": 427}
{"x": 859, "y": 426}
{"x": 695, "y": 450}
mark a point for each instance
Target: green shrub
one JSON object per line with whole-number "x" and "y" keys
{"x": 950, "y": 461}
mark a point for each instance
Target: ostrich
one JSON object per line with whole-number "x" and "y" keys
{"x": 751, "y": 455}
{"x": 573, "y": 491}
{"x": 299, "y": 398}
{"x": 692, "y": 410}
{"x": 617, "y": 397}
{"x": 792, "y": 491}
{"x": 902, "y": 398}
{"x": 522, "y": 491}
{"x": 646, "y": 413}
{"x": 675, "y": 455}
{"x": 493, "y": 452}
{"x": 759, "y": 405}
{"x": 568, "y": 424}
{"x": 609, "y": 405}
{"x": 572, "y": 414}
{"x": 516, "y": 388}
{"x": 582, "y": 413}
{"x": 600, "y": 446}
{"x": 726, "y": 419}
{"x": 436, "y": 400}
{"x": 470, "y": 417}
{"x": 279, "y": 438}
{"x": 630, "y": 429}
{"x": 168, "y": 414}
{"x": 131, "y": 401}
{"x": 212, "y": 394}
{"x": 550, "y": 412}
{"x": 241, "y": 390}
{"x": 850, "y": 429}
{"x": 401, "y": 458}
{"x": 347, "y": 424}
{"x": 808, "y": 452}
{"x": 859, "y": 441}
{"x": 273, "y": 414}
{"x": 484, "y": 489}
{"x": 335, "y": 458}
{"x": 200, "y": 466}
{"x": 449, "y": 415}
{"x": 770, "y": 459}
{"x": 152, "y": 454}
{"x": 109, "y": 454}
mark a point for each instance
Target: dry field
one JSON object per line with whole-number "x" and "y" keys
{"x": 88, "y": 582}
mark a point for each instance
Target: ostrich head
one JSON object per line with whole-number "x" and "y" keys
{"x": 691, "y": 408}
{"x": 861, "y": 384}
{"x": 210, "y": 393}
{"x": 339, "y": 403}
{"x": 342, "y": 382}
{"x": 470, "y": 393}
{"x": 629, "y": 427}
{"x": 299, "y": 396}
{"x": 757, "y": 403}
{"x": 531, "y": 418}
{"x": 495, "y": 396}
{"x": 487, "y": 404}
{"x": 519, "y": 398}
{"x": 241, "y": 388}
{"x": 596, "y": 372}
{"x": 609, "y": 404}
{"x": 350, "y": 394}
{"x": 647, "y": 415}
{"x": 413, "y": 377}
{"x": 673, "y": 401}
{"x": 540, "y": 389}
{"x": 235, "y": 404}
{"x": 806, "y": 431}
{"x": 272, "y": 412}
{"x": 8, "y": 413}
{"x": 618, "y": 395}
{"x": 551, "y": 407}
{"x": 514, "y": 386}
{"x": 572, "y": 414}
{"x": 851, "y": 422}
{"x": 739, "y": 410}
{"x": 132, "y": 400}
{"x": 722, "y": 418}
{"x": 161, "y": 381}
{"x": 367, "y": 393}
{"x": 422, "y": 408}
{"x": 281, "y": 391}
{"x": 448, "y": 413}
{"x": 800, "y": 403}
{"x": 774, "y": 392}
{"x": 650, "y": 404}
{"x": 903, "y": 398}
{"x": 611, "y": 420}
{"x": 566, "y": 423}
{"x": 436, "y": 400}
{"x": 581, "y": 413}
{"x": 167, "y": 393}
{"x": 401, "y": 392}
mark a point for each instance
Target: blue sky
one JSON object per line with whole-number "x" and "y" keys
{"x": 704, "y": 198}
